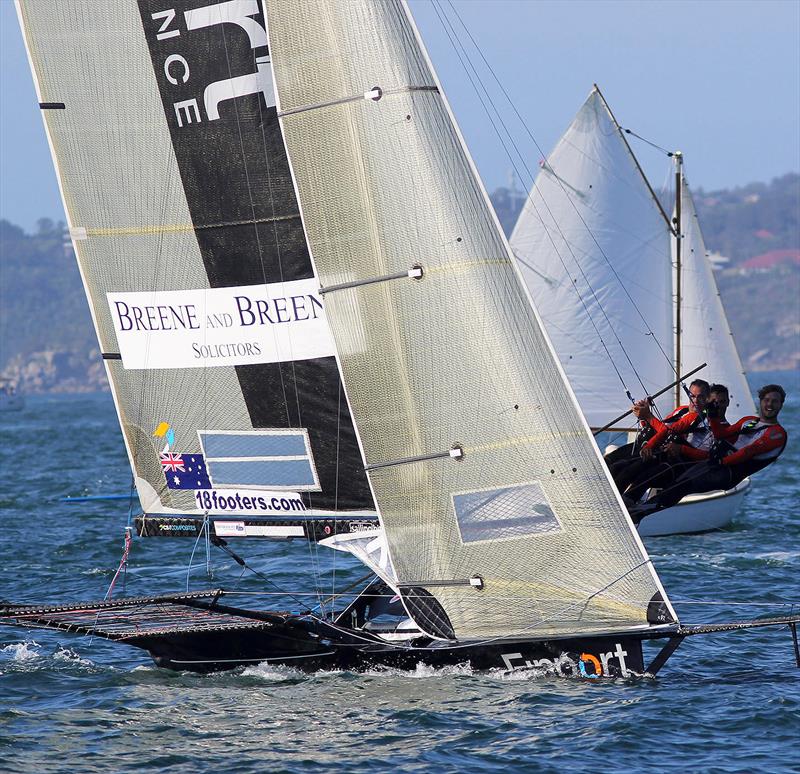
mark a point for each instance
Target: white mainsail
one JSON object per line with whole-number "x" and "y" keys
{"x": 593, "y": 246}
{"x": 599, "y": 257}
{"x": 499, "y": 514}
{"x": 705, "y": 332}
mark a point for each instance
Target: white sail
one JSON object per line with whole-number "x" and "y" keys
{"x": 705, "y": 333}
{"x": 499, "y": 514}
{"x": 188, "y": 236}
{"x": 594, "y": 248}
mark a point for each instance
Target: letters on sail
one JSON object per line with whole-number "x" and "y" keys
{"x": 221, "y": 326}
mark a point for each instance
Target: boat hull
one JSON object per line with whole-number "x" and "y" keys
{"x": 696, "y": 513}
{"x": 595, "y": 657}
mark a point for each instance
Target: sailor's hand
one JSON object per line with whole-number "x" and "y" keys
{"x": 673, "y": 451}
{"x": 646, "y": 453}
{"x": 641, "y": 409}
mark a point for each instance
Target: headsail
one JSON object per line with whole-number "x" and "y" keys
{"x": 499, "y": 514}
{"x": 163, "y": 127}
{"x": 593, "y": 245}
{"x": 705, "y": 332}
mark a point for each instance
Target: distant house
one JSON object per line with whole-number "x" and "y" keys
{"x": 772, "y": 260}
{"x": 718, "y": 261}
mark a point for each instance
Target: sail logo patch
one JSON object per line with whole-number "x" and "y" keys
{"x": 278, "y": 459}
{"x": 185, "y": 471}
{"x": 256, "y": 502}
{"x": 234, "y": 19}
{"x": 504, "y": 513}
{"x": 232, "y": 326}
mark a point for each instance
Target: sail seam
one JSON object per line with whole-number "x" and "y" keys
{"x": 358, "y": 98}
{"x": 181, "y": 227}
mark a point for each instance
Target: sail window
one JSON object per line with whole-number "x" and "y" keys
{"x": 266, "y": 459}
{"x": 500, "y": 514}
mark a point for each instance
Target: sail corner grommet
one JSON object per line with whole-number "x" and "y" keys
{"x": 375, "y": 93}
{"x": 457, "y": 452}
{"x": 416, "y": 271}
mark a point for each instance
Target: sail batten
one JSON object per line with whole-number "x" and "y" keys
{"x": 456, "y": 358}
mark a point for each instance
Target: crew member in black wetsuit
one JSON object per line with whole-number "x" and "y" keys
{"x": 624, "y": 463}
{"x": 740, "y": 450}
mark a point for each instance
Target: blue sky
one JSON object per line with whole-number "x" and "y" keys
{"x": 718, "y": 79}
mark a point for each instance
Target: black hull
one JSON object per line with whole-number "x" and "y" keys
{"x": 196, "y": 632}
{"x": 311, "y": 645}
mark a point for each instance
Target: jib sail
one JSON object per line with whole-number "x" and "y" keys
{"x": 499, "y": 515}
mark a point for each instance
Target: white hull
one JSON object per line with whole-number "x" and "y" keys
{"x": 696, "y": 513}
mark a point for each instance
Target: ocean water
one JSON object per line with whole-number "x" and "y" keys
{"x": 727, "y": 702}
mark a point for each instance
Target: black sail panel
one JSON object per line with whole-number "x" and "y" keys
{"x": 246, "y": 219}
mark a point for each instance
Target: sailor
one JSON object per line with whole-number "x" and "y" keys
{"x": 676, "y": 446}
{"x": 650, "y": 424}
{"x": 628, "y": 462}
{"x": 739, "y": 450}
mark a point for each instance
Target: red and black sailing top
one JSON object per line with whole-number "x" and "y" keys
{"x": 648, "y": 427}
{"x": 757, "y": 443}
{"x": 696, "y": 435}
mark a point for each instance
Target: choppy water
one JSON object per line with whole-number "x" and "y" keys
{"x": 723, "y": 703}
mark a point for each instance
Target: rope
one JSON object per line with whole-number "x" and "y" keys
{"x": 123, "y": 563}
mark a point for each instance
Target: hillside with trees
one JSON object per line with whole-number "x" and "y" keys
{"x": 47, "y": 341}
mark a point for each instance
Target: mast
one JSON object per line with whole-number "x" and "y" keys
{"x": 677, "y": 235}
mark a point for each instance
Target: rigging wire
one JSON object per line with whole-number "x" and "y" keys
{"x": 447, "y": 25}
{"x": 644, "y": 139}
{"x": 245, "y": 566}
{"x": 650, "y": 333}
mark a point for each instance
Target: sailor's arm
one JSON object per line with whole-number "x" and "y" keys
{"x": 681, "y": 426}
{"x": 728, "y": 432}
{"x": 772, "y": 439}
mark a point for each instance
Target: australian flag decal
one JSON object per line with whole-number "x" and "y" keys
{"x": 185, "y": 471}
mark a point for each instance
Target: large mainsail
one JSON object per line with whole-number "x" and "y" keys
{"x": 163, "y": 128}
{"x": 593, "y": 245}
{"x": 499, "y": 514}
{"x": 705, "y": 332}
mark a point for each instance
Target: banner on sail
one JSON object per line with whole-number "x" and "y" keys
{"x": 227, "y": 326}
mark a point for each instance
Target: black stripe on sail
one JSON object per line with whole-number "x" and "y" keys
{"x": 245, "y": 214}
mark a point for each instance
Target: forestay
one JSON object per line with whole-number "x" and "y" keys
{"x": 455, "y": 360}
{"x": 162, "y": 122}
{"x": 705, "y": 333}
{"x": 593, "y": 246}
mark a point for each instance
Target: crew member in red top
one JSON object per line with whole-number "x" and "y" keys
{"x": 649, "y": 424}
{"x": 740, "y": 450}
{"x": 640, "y": 467}
{"x": 675, "y": 447}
